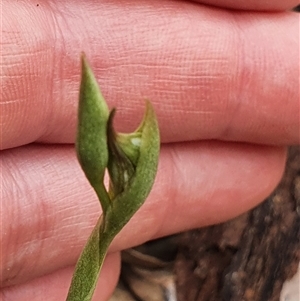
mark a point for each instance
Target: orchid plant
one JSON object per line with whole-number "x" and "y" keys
{"x": 131, "y": 161}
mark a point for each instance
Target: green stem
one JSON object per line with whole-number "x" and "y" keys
{"x": 89, "y": 265}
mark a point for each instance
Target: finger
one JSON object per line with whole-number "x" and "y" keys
{"x": 211, "y": 73}
{"x": 54, "y": 287}
{"x": 48, "y": 206}
{"x": 275, "y": 5}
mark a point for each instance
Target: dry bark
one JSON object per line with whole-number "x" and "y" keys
{"x": 248, "y": 258}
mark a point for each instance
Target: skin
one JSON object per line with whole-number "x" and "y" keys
{"x": 225, "y": 87}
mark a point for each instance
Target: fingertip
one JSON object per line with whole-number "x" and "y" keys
{"x": 241, "y": 176}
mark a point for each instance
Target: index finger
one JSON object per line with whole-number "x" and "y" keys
{"x": 210, "y": 73}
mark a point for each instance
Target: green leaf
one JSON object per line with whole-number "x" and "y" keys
{"x": 91, "y": 141}
{"x": 131, "y": 160}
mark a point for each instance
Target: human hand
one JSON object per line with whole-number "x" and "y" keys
{"x": 225, "y": 88}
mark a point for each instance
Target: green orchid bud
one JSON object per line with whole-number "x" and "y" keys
{"x": 131, "y": 160}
